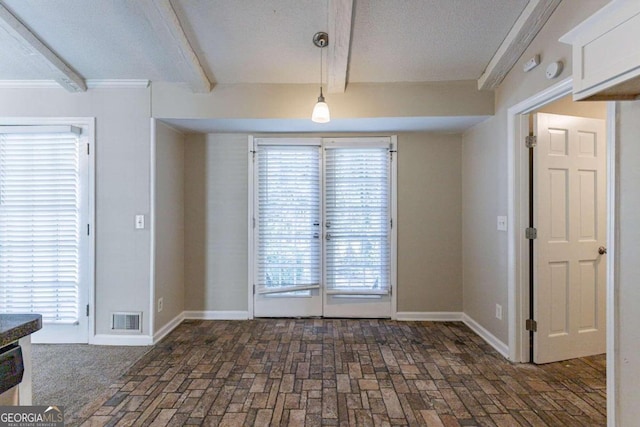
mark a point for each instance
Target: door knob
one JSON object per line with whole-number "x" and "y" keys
{"x": 602, "y": 250}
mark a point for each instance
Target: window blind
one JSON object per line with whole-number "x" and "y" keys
{"x": 357, "y": 216}
{"x": 39, "y": 225}
{"x": 288, "y": 218}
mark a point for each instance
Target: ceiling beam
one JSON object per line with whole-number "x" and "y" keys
{"x": 526, "y": 27}
{"x": 340, "y": 23}
{"x": 165, "y": 22}
{"x": 60, "y": 71}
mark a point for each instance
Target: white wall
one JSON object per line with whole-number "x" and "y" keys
{"x": 122, "y": 186}
{"x": 429, "y": 220}
{"x": 627, "y": 359}
{"x": 169, "y": 224}
{"x": 484, "y": 167}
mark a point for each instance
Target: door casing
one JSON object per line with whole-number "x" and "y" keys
{"x": 518, "y": 247}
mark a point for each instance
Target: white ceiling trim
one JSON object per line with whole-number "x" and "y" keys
{"x": 91, "y": 84}
{"x": 340, "y": 25}
{"x": 530, "y": 22}
{"x": 61, "y": 72}
{"x": 117, "y": 83}
{"x": 165, "y": 22}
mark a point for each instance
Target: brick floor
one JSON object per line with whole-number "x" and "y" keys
{"x": 317, "y": 372}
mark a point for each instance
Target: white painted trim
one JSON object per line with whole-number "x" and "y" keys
{"x": 91, "y": 125}
{"x": 216, "y": 315}
{"x": 58, "y": 69}
{"x": 429, "y": 316}
{"x": 29, "y": 84}
{"x": 526, "y": 27}
{"x": 515, "y": 187}
{"x": 152, "y": 224}
{"x": 91, "y": 84}
{"x": 491, "y": 339}
{"x": 88, "y": 124}
{"x": 340, "y": 26}
{"x": 164, "y": 21}
{"x": 393, "y": 270}
{"x": 613, "y": 264}
{"x": 126, "y": 340}
{"x": 118, "y": 84}
{"x": 250, "y": 216}
{"x": 166, "y": 329}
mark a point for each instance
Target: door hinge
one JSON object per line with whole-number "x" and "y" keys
{"x": 254, "y": 222}
{"x": 391, "y": 222}
{"x": 88, "y": 229}
{"x": 530, "y": 141}
{"x": 87, "y": 310}
{"x": 531, "y": 325}
{"x": 531, "y": 233}
{"x": 390, "y": 290}
{"x": 254, "y": 289}
{"x": 88, "y": 149}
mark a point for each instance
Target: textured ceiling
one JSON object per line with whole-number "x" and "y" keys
{"x": 264, "y": 41}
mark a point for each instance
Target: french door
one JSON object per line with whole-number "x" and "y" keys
{"x": 44, "y": 215}
{"x": 323, "y": 241}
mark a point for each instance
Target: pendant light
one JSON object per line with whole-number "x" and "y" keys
{"x": 321, "y": 110}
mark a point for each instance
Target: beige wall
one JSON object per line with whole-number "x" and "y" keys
{"x": 429, "y": 223}
{"x": 484, "y": 167}
{"x": 429, "y": 252}
{"x": 281, "y": 101}
{"x": 169, "y": 224}
{"x": 627, "y": 359}
{"x": 216, "y": 233}
{"x": 122, "y": 186}
{"x": 567, "y": 107}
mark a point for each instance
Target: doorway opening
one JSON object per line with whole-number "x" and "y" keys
{"x": 518, "y": 269}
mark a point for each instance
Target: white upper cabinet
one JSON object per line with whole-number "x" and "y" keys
{"x": 606, "y": 53}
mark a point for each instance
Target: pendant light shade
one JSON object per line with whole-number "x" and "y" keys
{"x": 321, "y": 109}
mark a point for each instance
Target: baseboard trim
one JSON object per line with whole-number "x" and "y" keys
{"x": 217, "y": 315}
{"x": 429, "y": 316}
{"x": 491, "y": 339}
{"x": 125, "y": 340}
{"x": 166, "y": 329}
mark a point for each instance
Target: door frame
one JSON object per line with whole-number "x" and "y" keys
{"x": 518, "y": 247}
{"x": 88, "y": 124}
{"x": 393, "y": 270}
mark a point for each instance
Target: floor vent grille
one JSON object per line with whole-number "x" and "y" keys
{"x": 129, "y": 322}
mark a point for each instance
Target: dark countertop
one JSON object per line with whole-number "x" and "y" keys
{"x": 15, "y": 326}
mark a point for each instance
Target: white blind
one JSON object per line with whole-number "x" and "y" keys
{"x": 288, "y": 218}
{"x": 357, "y": 220}
{"x": 39, "y": 225}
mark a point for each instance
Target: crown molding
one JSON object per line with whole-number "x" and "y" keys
{"x": 91, "y": 84}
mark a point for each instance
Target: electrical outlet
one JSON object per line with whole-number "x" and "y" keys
{"x": 160, "y": 304}
{"x": 498, "y": 311}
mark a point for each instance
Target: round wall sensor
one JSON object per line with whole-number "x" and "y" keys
{"x": 554, "y": 69}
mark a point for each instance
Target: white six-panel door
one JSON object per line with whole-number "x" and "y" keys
{"x": 570, "y": 211}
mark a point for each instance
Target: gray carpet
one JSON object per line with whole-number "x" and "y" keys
{"x": 72, "y": 375}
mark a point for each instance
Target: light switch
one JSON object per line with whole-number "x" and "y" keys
{"x": 139, "y": 222}
{"x": 502, "y": 223}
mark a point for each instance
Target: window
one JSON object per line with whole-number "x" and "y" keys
{"x": 321, "y": 227}
{"x": 288, "y": 218}
{"x": 357, "y": 217}
{"x": 44, "y": 211}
